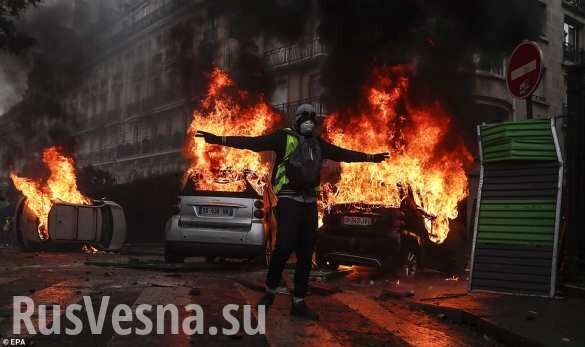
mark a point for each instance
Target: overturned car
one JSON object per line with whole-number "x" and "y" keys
{"x": 101, "y": 224}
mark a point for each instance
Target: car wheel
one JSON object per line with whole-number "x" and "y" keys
{"x": 171, "y": 258}
{"x": 388, "y": 266}
{"x": 327, "y": 264}
{"x": 25, "y": 244}
{"x": 331, "y": 265}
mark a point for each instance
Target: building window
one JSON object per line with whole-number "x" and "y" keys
{"x": 137, "y": 93}
{"x": 156, "y": 86}
{"x": 280, "y": 94}
{"x": 315, "y": 90}
{"x": 570, "y": 41}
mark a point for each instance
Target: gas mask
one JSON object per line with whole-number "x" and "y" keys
{"x": 306, "y": 127}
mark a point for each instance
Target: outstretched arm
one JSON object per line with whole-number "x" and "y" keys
{"x": 254, "y": 143}
{"x": 335, "y": 153}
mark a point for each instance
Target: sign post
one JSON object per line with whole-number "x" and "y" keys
{"x": 524, "y": 72}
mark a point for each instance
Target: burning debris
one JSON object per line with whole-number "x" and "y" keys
{"x": 422, "y": 161}
{"x": 89, "y": 249}
{"x": 226, "y": 110}
{"x": 55, "y": 212}
{"x": 61, "y": 186}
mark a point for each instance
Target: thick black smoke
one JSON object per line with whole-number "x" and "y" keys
{"x": 439, "y": 37}
{"x": 283, "y": 20}
{"x": 53, "y": 66}
{"x": 10, "y": 39}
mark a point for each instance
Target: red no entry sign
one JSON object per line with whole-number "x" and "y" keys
{"x": 524, "y": 69}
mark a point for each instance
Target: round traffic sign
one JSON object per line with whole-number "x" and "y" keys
{"x": 524, "y": 69}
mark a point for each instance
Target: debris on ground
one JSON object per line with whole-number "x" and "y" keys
{"x": 531, "y": 315}
{"x": 329, "y": 274}
{"x": 445, "y": 296}
{"x": 395, "y": 294}
{"x": 164, "y": 285}
{"x": 323, "y": 289}
{"x": 254, "y": 285}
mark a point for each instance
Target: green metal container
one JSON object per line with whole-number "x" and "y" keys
{"x": 517, "y": 216}
{"x": 526, "y": 140}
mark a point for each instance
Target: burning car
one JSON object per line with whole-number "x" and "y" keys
{"x": 394, "y": 239}
{"x": 403, "y": 211}
{"x": 223, "y": 209}
{"x": 53, "y": 212}
{"x": 219, "y": 224}
{"x": 101, "y": 224}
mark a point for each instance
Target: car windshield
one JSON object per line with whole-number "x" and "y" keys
{"x": 190, "y": 190}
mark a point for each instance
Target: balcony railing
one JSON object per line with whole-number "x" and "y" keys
{"x": 161, "y": 98}
{"x": 169, "y": 8}
{"x": 159, "y": 144}
{"x": 578, "y": 5}
{"x": 572, "y": 54}
{"x": 289, "y": 108}
{"x": 151, "y": 146}
{"x": 295, "y": 54}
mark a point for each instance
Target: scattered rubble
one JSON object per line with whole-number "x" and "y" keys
{"x": 395, "y": 294}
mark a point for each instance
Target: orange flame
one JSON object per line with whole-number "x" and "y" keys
{"x": 61, "y": 186}
{"x": 227, "y": 110}
{"x": 414, "y": 135}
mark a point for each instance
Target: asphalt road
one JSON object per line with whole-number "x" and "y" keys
{"x": 358, "y": 307}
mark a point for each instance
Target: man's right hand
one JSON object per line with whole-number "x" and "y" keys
{"x": 378, "y": 157}
{"x": 209, "y": 137}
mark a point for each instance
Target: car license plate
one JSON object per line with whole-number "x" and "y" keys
{"x": 352, "y": 220}
{"x": 214, "y": 211}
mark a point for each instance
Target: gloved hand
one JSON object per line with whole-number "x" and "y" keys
{"x": 209, "y": 137}
{"x": 378, "y": 157}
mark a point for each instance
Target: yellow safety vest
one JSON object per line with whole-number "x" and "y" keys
{"x": 280, "y": 178}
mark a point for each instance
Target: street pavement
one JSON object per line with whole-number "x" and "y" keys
{"x": 358, "y": 306}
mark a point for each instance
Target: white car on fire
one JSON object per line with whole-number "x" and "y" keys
{"x": 101, "y": 224}
{"x": 219, "y": 224}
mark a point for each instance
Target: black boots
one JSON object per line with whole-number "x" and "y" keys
{"x": 300, "y": 310}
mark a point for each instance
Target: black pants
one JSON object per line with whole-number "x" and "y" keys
{"x": 297, "y": 231}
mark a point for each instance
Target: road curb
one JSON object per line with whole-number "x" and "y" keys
{"x": 573, "y": 290}
{"x": 485, "y": 326}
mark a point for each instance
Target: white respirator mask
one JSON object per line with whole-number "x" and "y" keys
{"x": 306, "y": 127}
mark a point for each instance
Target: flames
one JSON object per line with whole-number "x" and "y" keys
{"x": 421, "y": 160}
{"x": 226, "y": 110}
{"x": 61, "y": 186}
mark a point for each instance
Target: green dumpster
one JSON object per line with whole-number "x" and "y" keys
{"x": 517, "y": 213}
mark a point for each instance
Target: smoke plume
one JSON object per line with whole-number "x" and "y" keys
{"x": 439, "y": 38}
{"x": 38, "y": 79}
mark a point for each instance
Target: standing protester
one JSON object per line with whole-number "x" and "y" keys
{"x": 295, "y": 180}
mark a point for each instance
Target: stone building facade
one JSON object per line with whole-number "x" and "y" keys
{"x": 131, "y": 110}
{"x": 562, "y": 43}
